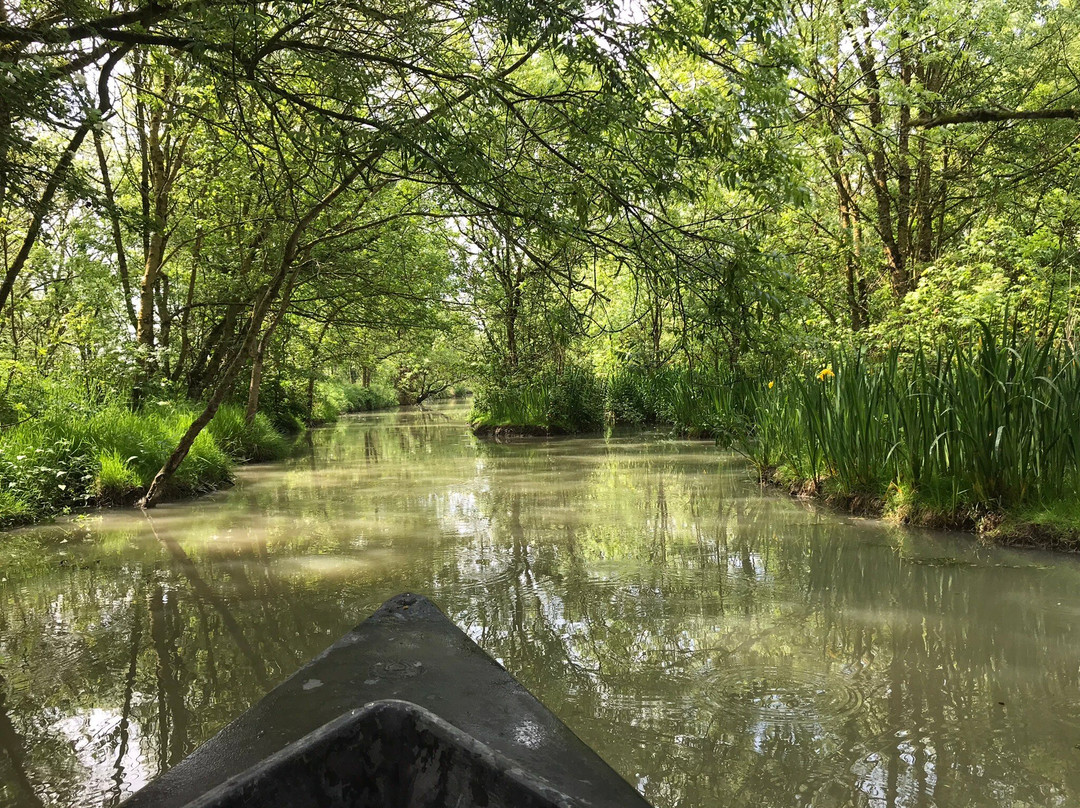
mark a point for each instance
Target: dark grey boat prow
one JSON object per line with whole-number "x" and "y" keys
{"x": 442, "y": 723}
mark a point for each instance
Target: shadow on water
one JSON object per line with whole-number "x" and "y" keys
{"x": 719, "y": 646}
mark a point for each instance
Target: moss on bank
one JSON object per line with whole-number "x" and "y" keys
{"x": 65, "y": 459}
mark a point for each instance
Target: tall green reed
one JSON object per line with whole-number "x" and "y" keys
{"x": 991, "y": 421}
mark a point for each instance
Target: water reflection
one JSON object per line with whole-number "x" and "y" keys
{"x": 717, "y": 646}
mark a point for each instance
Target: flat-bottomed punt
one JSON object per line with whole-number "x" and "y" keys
{"x": 405, "y": 711}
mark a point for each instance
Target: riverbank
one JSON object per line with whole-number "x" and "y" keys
{"x": 1056, "y": 527}
{"x": 64, "y": 459}
{"x": 70, "y": 457}
{"x": 980, "y": 432}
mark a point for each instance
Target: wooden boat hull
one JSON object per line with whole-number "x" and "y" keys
{"x": 404, "y": 710}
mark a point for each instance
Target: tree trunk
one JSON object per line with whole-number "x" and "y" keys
{"x": 117, "y": 232}
{"x": 158, "y": 203}
{"x": 185, "y": 316}
{"x": 879, "y": 170}
{"x": 214, "y": 352}
{"x": 855, "y": 284}
{"x": 258, "y": 315}
{"x": 164, "y": 319}
{"x": 260, "y": 352}
{"x": 253, "y": 385}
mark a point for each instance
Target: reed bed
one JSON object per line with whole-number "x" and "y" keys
{"x": 558, "y": 401}
{"x": 983, "y": 424}
{"x": 695, "y": 403}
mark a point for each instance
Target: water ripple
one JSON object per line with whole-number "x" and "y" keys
{"x": 782, "y": 695}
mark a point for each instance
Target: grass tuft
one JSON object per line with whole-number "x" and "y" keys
{"x": 116, "y": 481}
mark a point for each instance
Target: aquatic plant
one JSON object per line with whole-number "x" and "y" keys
{"x": 701, "y": 404}
{"x": 564, "y": 400}
{"x": 988, "y": 422}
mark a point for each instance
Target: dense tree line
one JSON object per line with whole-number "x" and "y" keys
{"x": 192, "y": 190}
{"x": 239, "y": 201}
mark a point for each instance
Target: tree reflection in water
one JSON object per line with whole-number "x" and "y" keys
{"x": 718, "y": 646}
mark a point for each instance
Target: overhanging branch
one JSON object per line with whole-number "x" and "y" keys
{"x": 995, "y": 116}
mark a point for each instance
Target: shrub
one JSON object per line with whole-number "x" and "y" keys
{"x": 561, "y": 401}
{"x": 700, "y": 404}
{"x": 364, "y": 399}
{"x": 330, "y": 403}
{"x": 66, "y": 458}
{"x": 575, "y": 401}
{"x": 626, "y": 396}
{"x": 510, "y": 402}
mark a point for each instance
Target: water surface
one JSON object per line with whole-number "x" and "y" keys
{"x": 718, "y": 645}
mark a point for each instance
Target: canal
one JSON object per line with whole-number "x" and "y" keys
{"x": 718, "y": 645}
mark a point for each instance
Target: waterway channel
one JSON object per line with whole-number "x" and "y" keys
{"x": 717, "y": 644}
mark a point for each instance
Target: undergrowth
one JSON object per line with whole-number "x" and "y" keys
{"x": 66, "y": 459}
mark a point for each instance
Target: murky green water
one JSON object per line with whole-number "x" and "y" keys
{"x": 718, "y": 646}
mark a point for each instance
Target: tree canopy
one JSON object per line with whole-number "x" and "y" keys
{"x": 224, "y": 200}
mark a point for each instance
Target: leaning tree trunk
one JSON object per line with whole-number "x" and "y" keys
{"x": 224, "y": 385}
{"x": 117, "y": 232}
{"x": 285, "y": 270}
{"x": 59, "y": 173}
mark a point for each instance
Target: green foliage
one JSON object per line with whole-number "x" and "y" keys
{"x": 115, "y": 481}
{"x": 996, "y": 268}
{"x": 989, "y": 422}
{"x": 753, "y": 189}
{"x": 630, "y": 397}
{"x": 243, "y": 441}
{"x": 560, "y": 401}
{"x": 697, "y": 404}
{"x": 66, "y": 459}
{"x": 13, "y": 511}
{"x": 511, "y": 404}
{"x": 330, "y": 402}
{"x": 575, "y": 401}
{"x": 365, "y": 399}
{"x": 206, "y": 466}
